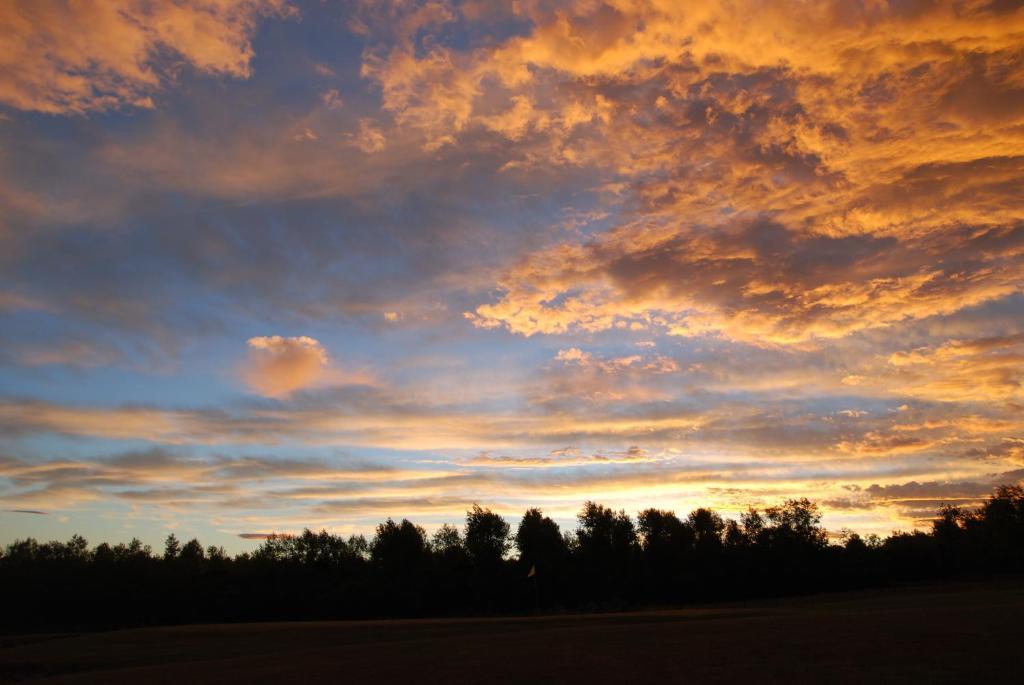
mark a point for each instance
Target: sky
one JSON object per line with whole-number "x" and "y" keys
{"x": 270, "y": 264}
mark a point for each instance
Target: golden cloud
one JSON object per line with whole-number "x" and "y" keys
{"x": 805, "y": 174}
{"x": 564, "y": 458}
{"x": 278, "y": 366}
{"x": 756, "y": 282}
{"x": 73, "y": 57}
{"x": 982, "y": 370}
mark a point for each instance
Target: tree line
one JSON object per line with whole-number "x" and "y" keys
{"x": 610, "y": 561}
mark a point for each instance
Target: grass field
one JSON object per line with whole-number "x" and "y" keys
{"x": 950, "y": 633}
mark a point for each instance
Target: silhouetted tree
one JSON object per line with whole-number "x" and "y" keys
{"x": 398, "y": 548}
{"x": 539, "y": 542}
{"x": 192, "y": 552}
{"x": 486, "y": 537}
{"x": 707, "y": 529}
{"x": 447, "y": 540}
{"x": 77, "y": 549}
{"x": 606, "y": 562}
{"x": 606, "y": 547}
{"x": 668, "y": 543}
{"x": 797, "y": 523}
{"x": 753, "y": 525}
{"x": 999, "y": 527}
{"x": 319, "y": 549}
{"x": 543, "y": 552}
{"x": 910, "y": 555}
{"x": 172, "y": 548}
{"x": 103, "y": 554}
{"x": 452, "y": 570}
{"x": 734, "y": 536}
{"x": 486, "y": 541}
{"x": 948, "y": 531}
{"x": 133, "y": 551}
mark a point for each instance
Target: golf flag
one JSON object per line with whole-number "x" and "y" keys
{"x": 533, "y": 571}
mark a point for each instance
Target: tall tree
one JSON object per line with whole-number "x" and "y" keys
{"x": 487, "y": 536}
{"x": 540, "y": 542}
{"x": 172, "y": 548}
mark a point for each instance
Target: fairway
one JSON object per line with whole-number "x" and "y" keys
{"x": 951, "y": 633}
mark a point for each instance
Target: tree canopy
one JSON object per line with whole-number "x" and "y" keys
{"x": 608, "y": 560}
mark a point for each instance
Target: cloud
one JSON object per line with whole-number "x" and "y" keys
{"x": 561, "y": 459}
{"x": 1010, "y": 448}
{"x": 875, "y": 443}
{"x": 358, "y": 416}
{"x": 63, "y": 58}
{"x": 936, "y": 491}
{"x": 332, "y": 99}
{"x": 836, "y": 173}
{"x": 10, "y": 301}
{"x": 174, "y": 479}
{"x": 369, "y": 139}
{"x": 920, "y": 500}
{"x": 593, "y": 410}
{"x": 278, "y": 366}
{"x": 573, "y": 355}
{"x": 305, "y": 136}
{"x": 242, "y": 493}
{"x": 753, "y": 281}
{"x": 601, "y": 378}
{"x": 958, "y": 370}
{"x": 71, "y": 353}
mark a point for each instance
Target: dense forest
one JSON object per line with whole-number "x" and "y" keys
{"x": 610, "y": 561}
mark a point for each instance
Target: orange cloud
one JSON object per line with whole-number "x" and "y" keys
{"x": 982, "y": 370}
{"x": 74, "y": 57}
{"x": 754, "y": 282}
{"x": 370, "y": 139}
{"x": 803, "y": 175}
{"x": 561, "y": 459}
{"x": 278, "y": 366}
{"x": 367, "y": 417}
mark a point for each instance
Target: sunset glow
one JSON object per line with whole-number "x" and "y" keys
{"x": 272, "y": 264}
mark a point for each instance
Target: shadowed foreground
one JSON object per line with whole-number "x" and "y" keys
{"x": 951, "y": 633}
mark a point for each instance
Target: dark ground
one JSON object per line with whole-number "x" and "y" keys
{"x": 969, "y": 632}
